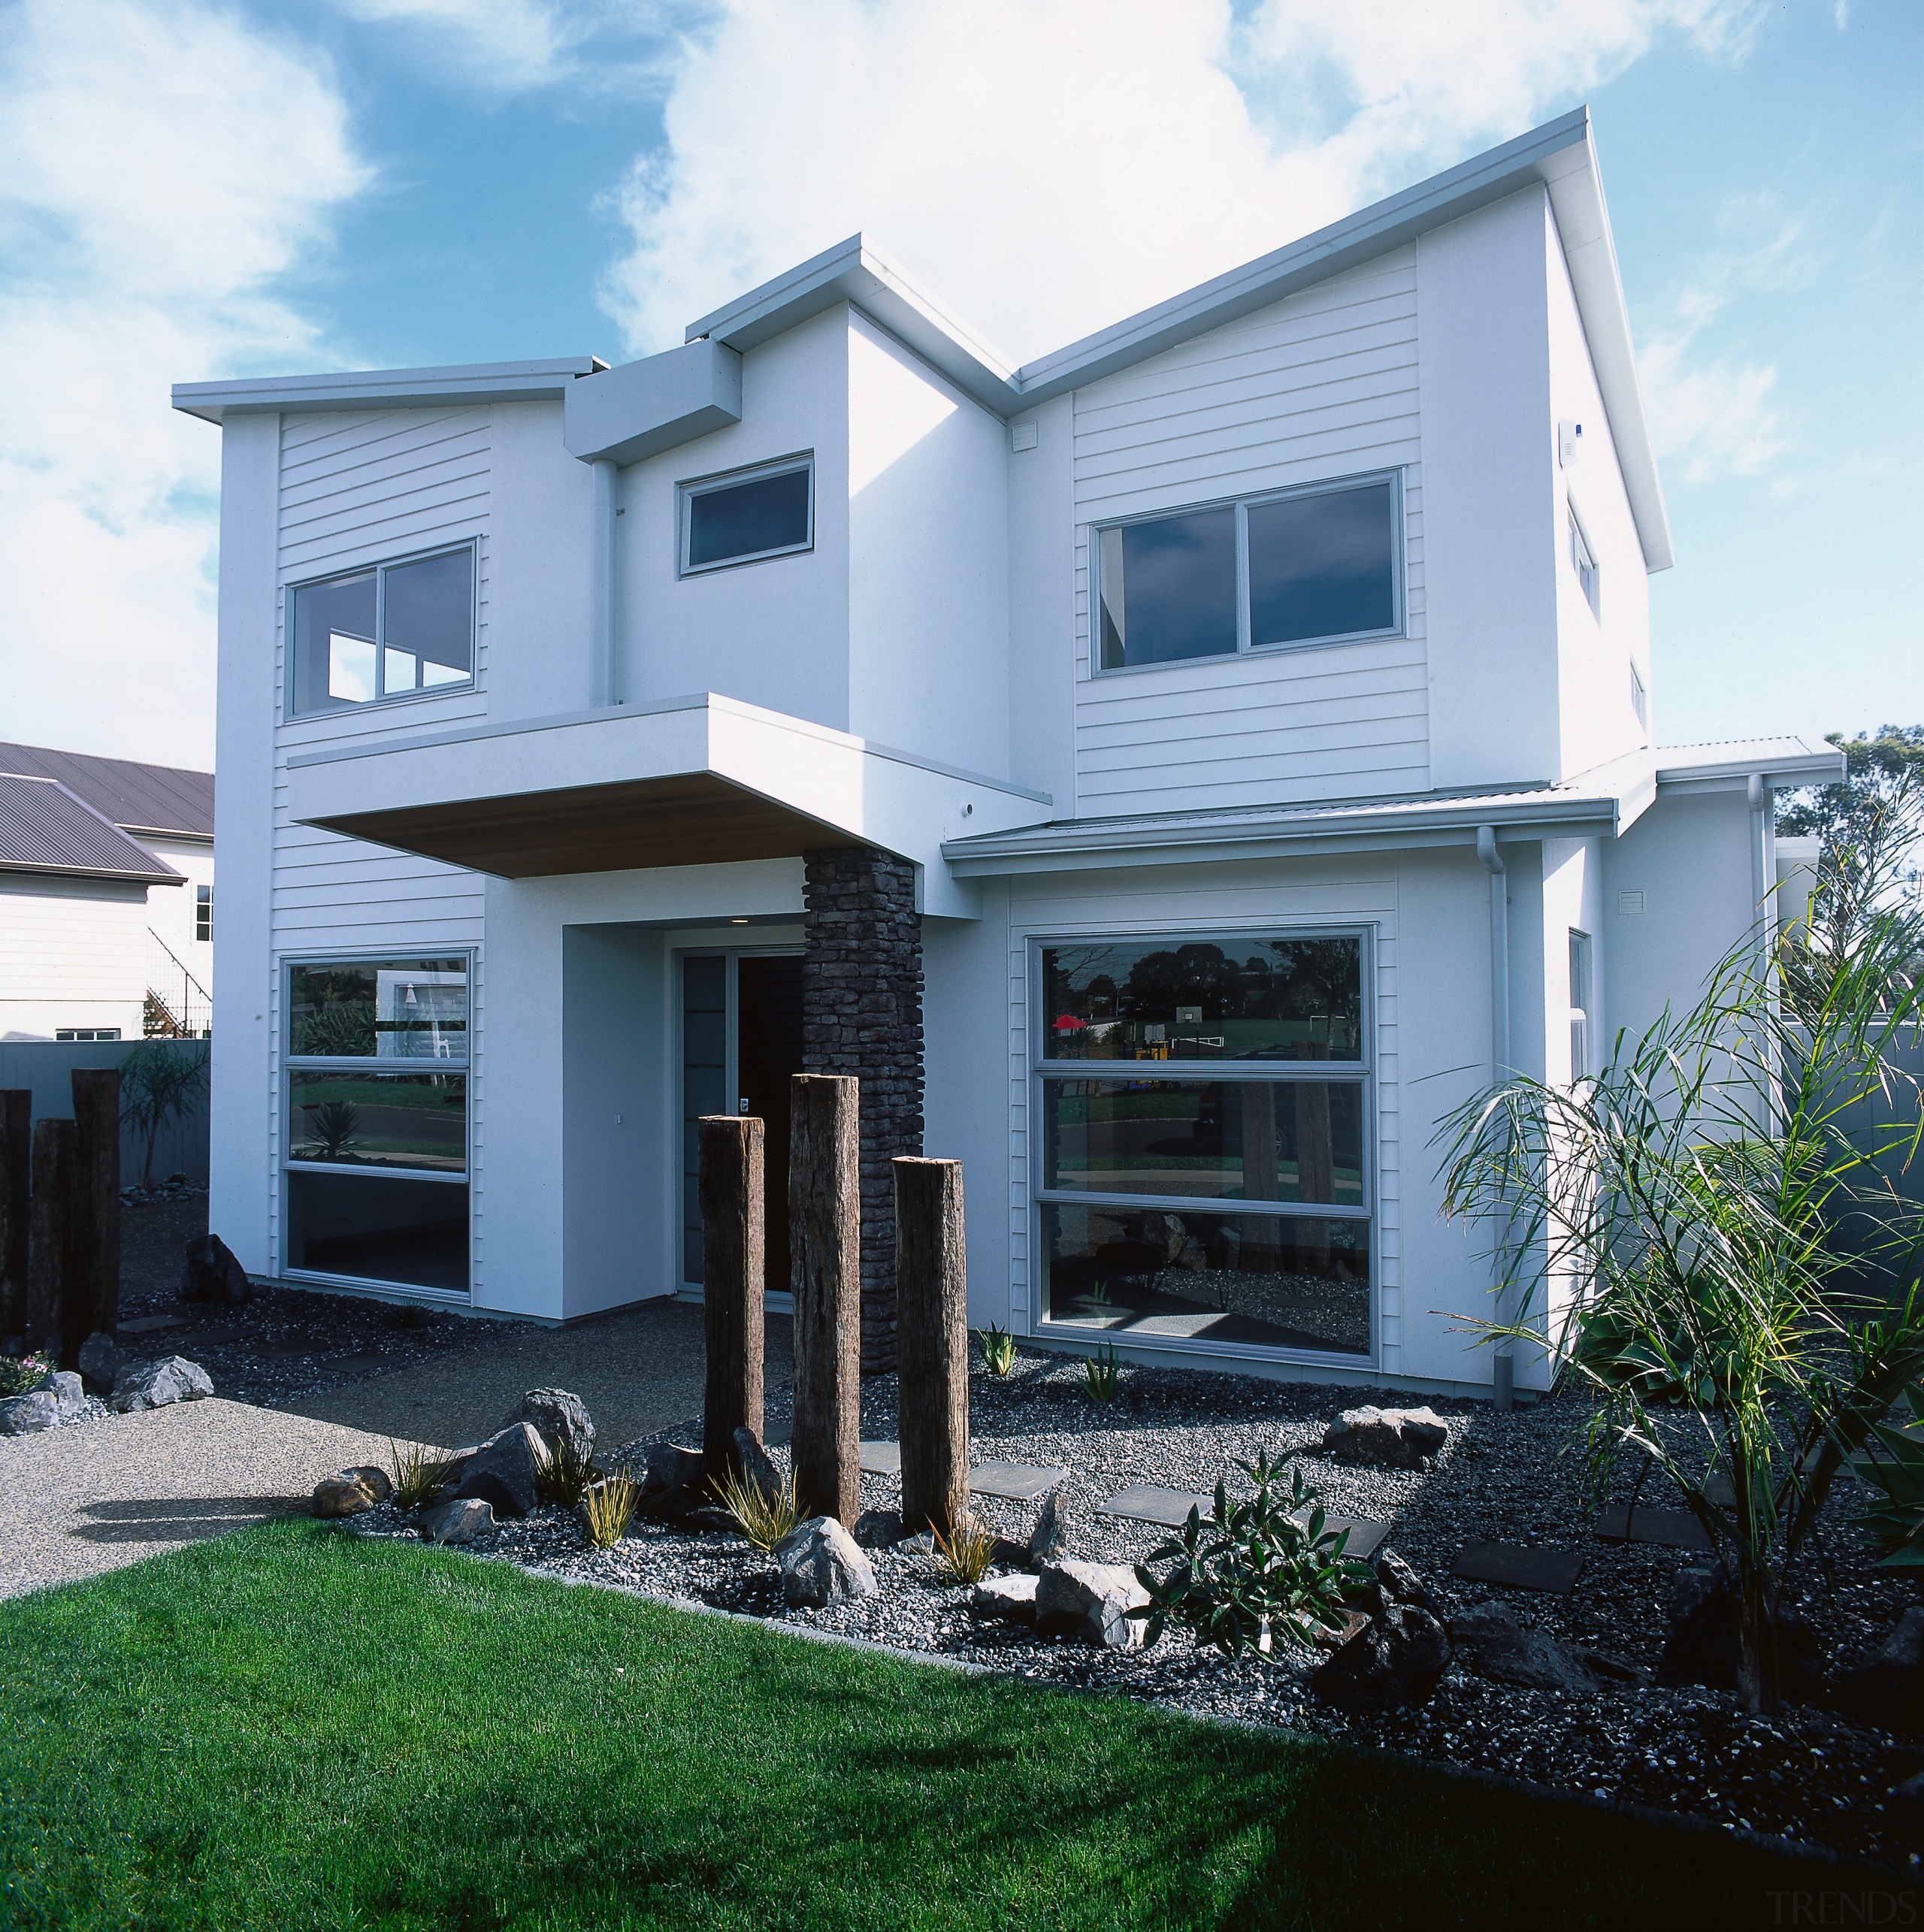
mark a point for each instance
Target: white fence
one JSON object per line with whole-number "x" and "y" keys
{"x": 44, "y": 1067}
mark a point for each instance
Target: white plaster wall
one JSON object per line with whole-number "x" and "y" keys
{"x": 1595, "y": 651}
{"x": 1042, "y": 618}
{"x": 73, "y": 953}
{"x": 1572, "y": 901}
{"x": 541, "y": 527}
{"x": 774, "y": 633}
{"x": 1489, "y": 454}
{"x": 928, "y": 560}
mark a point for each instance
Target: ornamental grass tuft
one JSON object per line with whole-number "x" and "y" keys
{"x": 1099, "y": 1372}
{"x": 963, "y": 1556}
{"x": 998, "y": 1351}
{"x": 565, "y": 1472}
{"x": 765, "y": 1519}
{"x": 609, "y": 1506}
{"x": 418, "y": 1471}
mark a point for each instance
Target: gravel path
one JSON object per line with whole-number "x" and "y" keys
{"x": 75, "y": 1501}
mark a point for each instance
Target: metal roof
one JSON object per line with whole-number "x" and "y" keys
{"x": 45, "y": 828}
{"x": 156, "y": 799}
{"x": 543, "y": 381}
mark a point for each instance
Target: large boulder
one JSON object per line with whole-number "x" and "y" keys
{"x": 28, "y": 1414}
{"x": 1702, "y": 1647}
{"x": 1396, "y": 1659}
{"x": 559, "y": 1416}
{"x": 343, "y": 1495}
{"x": 213, "y": 1273}
{"x": 822, "y": 1563}
{"x": 1887, "y": 1689}
{"x": 1389, "y": 1438}
{"x": 1011, "y": 1599}
{"x": 879, "y": 1529}
{"x": 462, "y": 1520}
{"x": 671, "y": 1481}
{"x": 501, "y": 1471}
{"x": 1090, "y": 1602}
{"x": 100, "y": 1362}
{"x": 154, "y": 1385}
{"x": 1496, "y": 1645}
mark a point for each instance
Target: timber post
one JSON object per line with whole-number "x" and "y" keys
{"x": 15, "y": 1194}
{"x": 732, "y": 1231}
{"x": 50, "y": 1261}
{"x": 825, "y": 1241}
{"x": 96, "y": 1295}
{"x": 932, "y": 1342}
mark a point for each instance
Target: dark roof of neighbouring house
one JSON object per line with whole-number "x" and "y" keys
{"x": 45, "y": 827}
{"x": 154, "y": 799}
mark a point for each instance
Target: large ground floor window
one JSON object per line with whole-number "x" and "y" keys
{"x": 1203, "y": 1111}
{"x": 375, "y": 1175}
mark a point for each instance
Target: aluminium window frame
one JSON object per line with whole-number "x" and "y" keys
{"x": 689, "y": 487}
{"x": 1398, "y": 627}
{"x": 1583, "y": 561}
{"x": 380, "y": 567}
{"x": 1362, "y": 1072}
{"x": 287, "y": 1062}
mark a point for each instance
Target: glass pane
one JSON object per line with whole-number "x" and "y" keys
{"x": 1168, "y": 589}
{"x": 1284, "y": 1281}
{"x": 333, "y": 629}
{"x": 744, "y": 519}
{"x": 1322, "y": 566}
{"x": 704, "y": 1086}
{"x": 390, "y": 1009}
{"x": 379, "y": 1227}
{"x": 427, "y": 612}
{"x": 1253, "y": 1140}
{"x": 379, "y": 1119}
{"x": 399, "y": 670}
{"x": 1242, "y": 999}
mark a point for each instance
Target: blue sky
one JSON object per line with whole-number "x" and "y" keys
{"x": 191, "y": 190}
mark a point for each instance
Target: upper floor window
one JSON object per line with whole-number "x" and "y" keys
{"x": 1314, "y": 566}
{"x": 748, "y": 516}
{"x": 1640, "y": 701}
{"x": 1584, "y": 565}
{"x": 388, "y": 632}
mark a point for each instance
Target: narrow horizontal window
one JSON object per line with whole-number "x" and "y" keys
{"x": 382, "y": 1228}
{"x": 385, "y": 633}
{"x": 379, "y": 1119}
{"x": 1322, "y": 566}
{"x": 740, "y": 520}
{"x": 384, "y": 1009}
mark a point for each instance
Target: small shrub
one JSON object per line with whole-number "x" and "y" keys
{"x": 1099, "y": 1372}
{"x": 1892, "y": 1470}
{"x": 1253, "y": 1570}
{"x": 417, "y": 1472}
{"x": 19, "y": 1373}
{"x": 998, "y": 1351}
{"x": 765, "y": 1519}
{"x": 963, "y": 1556}
{"x": 564, "y": 1473}
{"x": 609, "y": 1505}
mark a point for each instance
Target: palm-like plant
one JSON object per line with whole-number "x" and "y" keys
{"x": 1668, "y": 1230}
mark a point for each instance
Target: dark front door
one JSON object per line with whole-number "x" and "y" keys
{"x": 769, "y": 1049}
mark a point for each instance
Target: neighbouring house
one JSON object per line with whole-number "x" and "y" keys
{"x": 106, "y": 898}
{"x": 1170, "y": 774}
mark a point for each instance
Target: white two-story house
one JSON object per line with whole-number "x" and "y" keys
{"x": 1171, "y": 775}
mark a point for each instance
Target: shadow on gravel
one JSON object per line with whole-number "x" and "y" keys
{"x": 186, "y": 1519}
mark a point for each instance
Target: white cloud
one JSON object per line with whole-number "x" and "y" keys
{"x": 162, "y": 166}
{"x": 1049, "y": 166}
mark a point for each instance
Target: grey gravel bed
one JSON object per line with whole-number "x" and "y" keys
{"x": 1809, "y": 1775}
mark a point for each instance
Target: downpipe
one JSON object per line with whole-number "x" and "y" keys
{"x": 1504, "y": 1367}
{"x": 601, "y": 589}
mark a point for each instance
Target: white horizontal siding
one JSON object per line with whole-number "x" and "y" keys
{"x": 73, "y": 953}
{"x": 1320, "y": 386}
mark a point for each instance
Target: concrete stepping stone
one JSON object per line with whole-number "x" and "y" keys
{"x": 366, "y": 1358}
{"x": 1516, "y": 1567}
{"x": 1014, "y": 1482}
{"x": 214, "y": 1338}
{"x": 879, "y": 1458}
{"x": 148, "y": 1324}
{"x": 1674, "y": 1529}
{"x": 1365, "y": 1535}
{"x": 1147, "y": 1503}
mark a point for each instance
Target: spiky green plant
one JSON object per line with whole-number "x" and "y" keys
{"x": 998, "y": 1351}
{"x": 765, "y": 1519}
{"x": 1099, "y": 1371}
{"x": 1892, "y": 1471}
{"x": 963, "y": 1555}
{"x": 609, "y": 1506}
{"x": 564, "y": 1473}
{"x": 418, "y": 1471}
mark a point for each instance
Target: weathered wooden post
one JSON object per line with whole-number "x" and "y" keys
{"x": 16, "y": 1192}
{"x": 825, "y": 1271}
{"x": 733, "y": 1226}
{"x": 50, "y": 1262}
{"x": 94, "y": 1296}
{"x": 932, "y": 1342}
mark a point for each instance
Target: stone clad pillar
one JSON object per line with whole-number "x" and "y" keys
{"x": 862, "y": 1015}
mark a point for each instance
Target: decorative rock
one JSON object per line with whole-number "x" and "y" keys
{"x": 671, "y": 1480}
{"x": 1498, "y": 1646}
{"x": 821, "y": 1564}
{"x": 213, "y": 1273}
{"x": 1396, "y": 1659}
{"x": 341, "y": 1495}
{"x": 1887, "y": 1689}
{"x": 153, "y": 1385}
{"x": 921, "y": 1544}
{"x": 559, "y": 1416}
{"x": 502, "y": 1471}
{"x": 879, "y": 1529}
{"x": 758, "y": 1470}
{"x": 1702, "y": 1646}
{"x": 69, "y": 1394}
{"x": 27, "y": 1415}
{"x": 464, "y": 1519}
{"x": 1011, "y": 1599}
{"x": 1401, "y": 1584}
{"x": 99, "y": 1360}
{"x": 1048, "y": 1542}
{"x": 1091, "y": 1601}
{"x": 374, "y": 1479}
{"x": 1390, "y": 1438}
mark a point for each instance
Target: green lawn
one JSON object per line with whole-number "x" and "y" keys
{"x": 293, "y": 1727}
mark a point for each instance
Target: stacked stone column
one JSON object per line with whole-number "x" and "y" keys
{"x": 862, "y": 1015}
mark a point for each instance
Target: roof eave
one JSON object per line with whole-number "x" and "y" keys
{"x": 168, "y": 876}
{"x": 542, "y": 381}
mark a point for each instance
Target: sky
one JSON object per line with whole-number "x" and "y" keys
{"x": 190, "y": 191}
